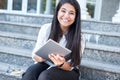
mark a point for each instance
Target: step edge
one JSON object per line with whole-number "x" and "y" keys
{"x": 21, "y": 24}
{"x": 14, "y": 51}
{"x": 111, "y": 34}
{"x": 102, "y": 47}
{"x": 100, "y": 66}
{"x": 17, "y": 35}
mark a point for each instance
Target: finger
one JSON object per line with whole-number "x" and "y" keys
{"x": 52, "y": 57}
{"x": 60, "y": 57}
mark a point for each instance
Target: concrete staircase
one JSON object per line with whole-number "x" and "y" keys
{"x": 18, "y": 34}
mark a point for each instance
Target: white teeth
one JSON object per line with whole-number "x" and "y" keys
{"x": 65, "y": 20}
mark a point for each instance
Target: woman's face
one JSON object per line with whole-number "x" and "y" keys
{"x": 66, "y": 15}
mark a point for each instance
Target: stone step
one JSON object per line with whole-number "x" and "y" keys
{"x": 86, "y": 25}
{"x": 104, "y": 38}
{"x": 90, "y": 70}
{"x": 21, "y": 57}
{"x": 95, "y": 70}
{"x": 101, "y": 26}
{"x": 110, "y": 38}
{"x": 18, "y": 40}
{"x": 30, "y": 19}
{"x": 92, "y": 51}
{"x": 11, "y": 72}
{"x": 100, "y": 59}
{"x": 109, "y": 54}
{"x": 102, "y": 53}
{"x": 30, "y": 29}
{"x": 42, "y": 19}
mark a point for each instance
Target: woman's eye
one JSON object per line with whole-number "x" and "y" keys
{"x": 72, "y": 13}
{"x": 62, "y": 10}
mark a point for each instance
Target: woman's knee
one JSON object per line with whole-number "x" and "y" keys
{"x": 34, "y": 71}
{"x": 37, "y": 68}
{"x": 44, "y": 76}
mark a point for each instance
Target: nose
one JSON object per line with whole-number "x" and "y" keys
{"x": 66, "y": 15}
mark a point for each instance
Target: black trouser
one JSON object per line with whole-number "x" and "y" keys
{"x": 33, "y": 72}
{"x": 55, "y": 73}
{"x": 39, "y": 71}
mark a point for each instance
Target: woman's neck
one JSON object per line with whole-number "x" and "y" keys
{"x": 64, "y": 30}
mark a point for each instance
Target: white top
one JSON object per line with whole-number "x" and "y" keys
{"x": 43, "y": 37}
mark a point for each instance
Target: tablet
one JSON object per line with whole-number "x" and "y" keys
{"x": 52, "y": 47}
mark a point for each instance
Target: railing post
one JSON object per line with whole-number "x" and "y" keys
{"x": 39, "y": 6}
{"x": 57, "y": 1}
{"x": 9, "y": 6}
{"x": 24, "y": 6}
{"x": 48, "y": 7}
{"x": 116, "y": 17}
{"x": 84, "y": 13}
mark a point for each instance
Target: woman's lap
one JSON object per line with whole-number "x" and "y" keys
{"x": 56, "y": 73}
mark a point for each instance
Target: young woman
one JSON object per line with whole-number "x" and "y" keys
{"x": 66, "y": 30}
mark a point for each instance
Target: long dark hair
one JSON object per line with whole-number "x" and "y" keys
{"x": 73, "y": 36}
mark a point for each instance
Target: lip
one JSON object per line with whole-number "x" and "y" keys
{"x": 65, "y": 20}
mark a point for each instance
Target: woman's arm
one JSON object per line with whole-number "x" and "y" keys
{"x": 41, "y": 40}
{"x": 38, "y": 58}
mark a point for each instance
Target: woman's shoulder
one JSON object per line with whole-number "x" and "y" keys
{"x": 45, "y": 27}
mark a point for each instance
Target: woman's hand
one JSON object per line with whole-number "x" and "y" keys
{"x": 60, "y": 60}
{"x": 38, "y": 58}
{"x": 56, "y": 59}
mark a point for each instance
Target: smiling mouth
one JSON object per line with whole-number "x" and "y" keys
{"x": 64, "y": 20}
